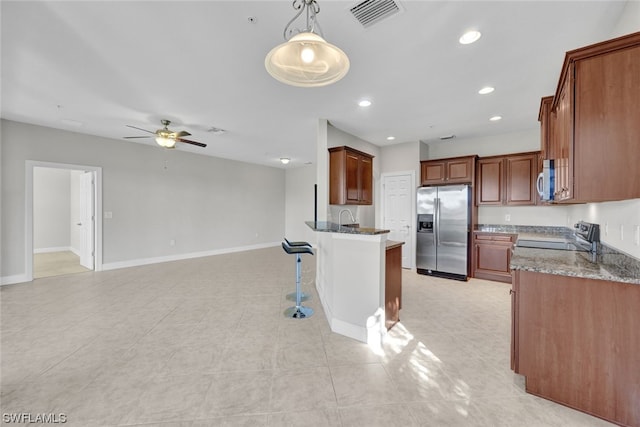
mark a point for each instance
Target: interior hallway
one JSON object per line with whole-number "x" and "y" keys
{"x": 203, "y": 342}
{"x": 50, "y": 264}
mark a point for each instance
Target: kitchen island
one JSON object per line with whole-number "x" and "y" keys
{"x": 350, "y": 279}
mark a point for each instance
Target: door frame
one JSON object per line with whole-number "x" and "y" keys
{"x": 412, "y": 233}
{"x": 97, "y": 187}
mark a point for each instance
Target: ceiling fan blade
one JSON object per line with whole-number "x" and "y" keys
{"x": 182, "y": 133}
{"x": 143, "y": 130}
{"x": 199, "y": 144}
{"x": 132, "y": 137}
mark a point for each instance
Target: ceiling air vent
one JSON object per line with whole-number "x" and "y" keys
{"x": 369, "y": 12}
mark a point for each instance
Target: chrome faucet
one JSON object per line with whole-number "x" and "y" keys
{"x": 340, "y": 217}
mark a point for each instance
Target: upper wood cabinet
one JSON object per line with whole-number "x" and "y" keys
{"x": 458, "y": 170}
{"x": 545, "y": 128}
{"x": 350, "y": 177}
{"x": 507, "y": 180}
{"x": 593, "y": 123}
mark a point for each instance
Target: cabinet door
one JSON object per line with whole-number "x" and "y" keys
{"x": 489, "y": 181}
{"x": 352, "y": 177}
{"x": 459, "y": 171}
{"x": 520, "y": 179}
{"x": 493, "y": 261}
{"x": 544, "y": 117}
{"x": 432, "y": 172}
{"x": 365, "y": 179}
{"x": 607, "y": 126}
{"x": 492, "y": 256}
{"x": 564, "y": 140}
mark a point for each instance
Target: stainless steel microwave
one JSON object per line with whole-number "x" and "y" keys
{"x": 546, "y": 179}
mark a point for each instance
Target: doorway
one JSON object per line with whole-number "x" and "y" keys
{"x": 398, "y": 211}
{"x": 63, "y": 226}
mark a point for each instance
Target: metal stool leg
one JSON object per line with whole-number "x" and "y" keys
{"x": 298, "y": 312}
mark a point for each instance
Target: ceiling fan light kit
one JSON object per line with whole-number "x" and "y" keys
{"x": 165, "y": 137}
{"x": 305, "y": 59}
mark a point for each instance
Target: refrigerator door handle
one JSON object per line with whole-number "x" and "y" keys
{"x": 436, "y": 211}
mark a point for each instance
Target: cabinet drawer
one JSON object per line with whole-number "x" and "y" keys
{"x": 495, "y": 237}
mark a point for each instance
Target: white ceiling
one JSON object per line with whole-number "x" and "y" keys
{"x": 94, "y": 67}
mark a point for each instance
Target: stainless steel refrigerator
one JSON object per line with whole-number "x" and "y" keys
{"x": 444, "y": 217}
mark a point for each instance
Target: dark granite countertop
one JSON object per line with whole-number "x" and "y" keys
{"x": 392, "y": 244}
{"x": 332, "y": 227}
{"x": 569, "y": 263}
{"x": 609, "y": 264}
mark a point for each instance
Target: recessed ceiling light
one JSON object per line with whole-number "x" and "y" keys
{"x": 469, "y": 37}
{"x": 285, "y": 160}
{"x": 364, "y": 103}
{"x": 485, "y": 90}
{"x": 391, "y": 138}
{"x": 495, "y": 118}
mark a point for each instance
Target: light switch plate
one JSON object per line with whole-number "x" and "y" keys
{"x": 108, "y": 215}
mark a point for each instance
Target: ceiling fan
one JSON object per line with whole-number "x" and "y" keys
{"x": 165, "y": 137}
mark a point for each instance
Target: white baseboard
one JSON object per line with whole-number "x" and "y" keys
{"x": 21, "y": 278}
{"x": 75, "y": 251}
{"x": 12, "y": 280}
{"x": 178, "y": 257}
{"x": 56, "y": 249}
{"x": 349, "y": 329}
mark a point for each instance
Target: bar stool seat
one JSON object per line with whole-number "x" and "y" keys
{"x": 298, "y": 311}
{"x": 291, "y": 250}
{"x": 293, "y": 295}
{"x": 294, "y": 244}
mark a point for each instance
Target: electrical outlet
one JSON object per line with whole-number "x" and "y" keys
{"x": 507, "y": 217}
{"x": 637, "y": 235}
{"x": 172, "y": 242}
{"x": 621, "y": 232}
{"x": 108, "y": 215}
{"x": 606, "y": 228}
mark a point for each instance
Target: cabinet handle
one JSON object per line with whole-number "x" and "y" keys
{"x": 512, "y": 292}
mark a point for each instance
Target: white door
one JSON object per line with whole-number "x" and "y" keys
{"x": 398, "y": 212}
{"x": 87, "y": 220}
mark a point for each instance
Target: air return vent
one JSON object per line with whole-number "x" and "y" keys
{"x": 369, "y": 12}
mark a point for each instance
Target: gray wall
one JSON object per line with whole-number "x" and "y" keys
{"x": 299, "y": 203}
{"x": 203, "y": 203}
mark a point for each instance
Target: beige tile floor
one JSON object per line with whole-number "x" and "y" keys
{"x": 56, "y": 264}
{"x": 203, "y": 343}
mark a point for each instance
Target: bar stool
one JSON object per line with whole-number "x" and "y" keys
{"x": 293, "y": 296}
{"x": 298, "y": 311}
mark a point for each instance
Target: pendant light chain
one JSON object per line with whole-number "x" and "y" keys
{"x": 312, "y": 9}
{"x": 306, "y": 59}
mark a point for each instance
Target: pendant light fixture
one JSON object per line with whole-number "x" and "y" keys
{"x": 305, "y": 59}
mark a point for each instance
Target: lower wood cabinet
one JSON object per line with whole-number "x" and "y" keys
{"x": 492, "y": 256}
{"x": 576, "y": 341}
{"x": 393, "y": 284}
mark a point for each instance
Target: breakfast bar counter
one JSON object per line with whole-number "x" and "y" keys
{"x": 350, "y": 279}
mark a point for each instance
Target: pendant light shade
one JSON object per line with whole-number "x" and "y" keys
{"x": 306, "y": 59}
